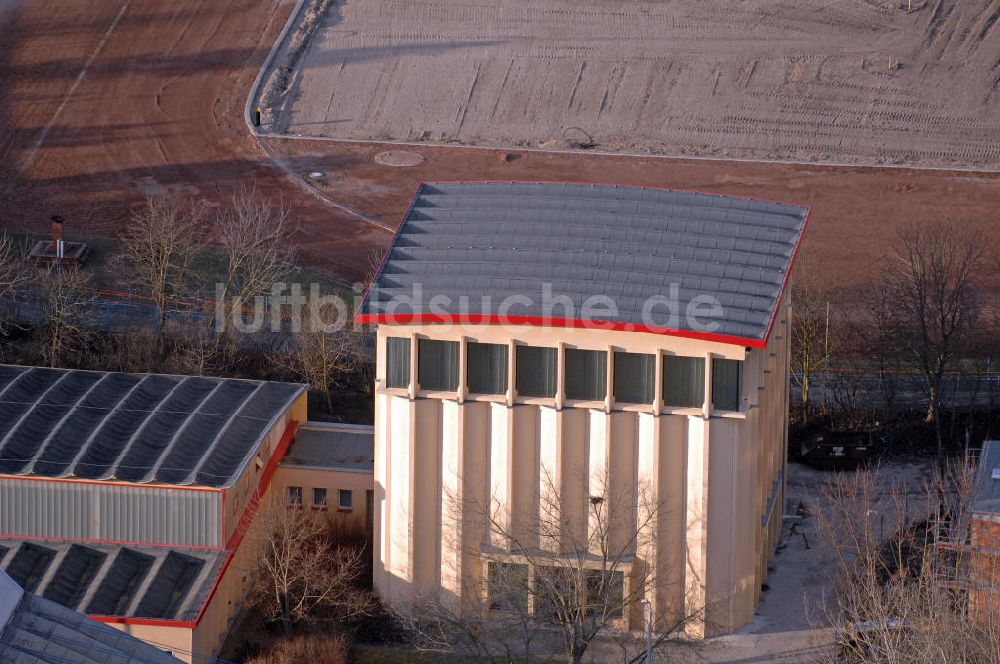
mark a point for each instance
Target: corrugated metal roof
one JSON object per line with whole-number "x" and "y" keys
{"x": 501, "y": 239}
{"x": 349, "y": 447}
{"x": 119, "y": 581}
{"x": 134, "y": 427}
{"x": 36, "y": 508}
{"x": 34, "y": 630}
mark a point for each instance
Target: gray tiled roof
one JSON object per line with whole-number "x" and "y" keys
{"x": 499, "y": 239}
{"x": 134, "y": 427}
{"x": 111, "y": 580}
{"x": 348, "y": 447}
{"x": 34, "y": 630}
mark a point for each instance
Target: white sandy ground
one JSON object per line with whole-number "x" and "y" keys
{"x": 825, "y": 80}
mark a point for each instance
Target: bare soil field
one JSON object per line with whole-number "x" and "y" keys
{"x": 87, "y": 132}
{"x": 107, "y": 101}
{"x": 847, "y": 81}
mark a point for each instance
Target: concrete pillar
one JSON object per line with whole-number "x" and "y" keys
{"x": 562, "y": 478}
{"x": 464, "y": 499}
{"x": 524, "y": 474}
{"x": 622, "y": 496}
{"x": 696, "y": 539}
{"x": 501, "y": 449}
{"x": 425, "y": 479}
{"x": 397, "y": 527}
{"x": 380, "y": 545}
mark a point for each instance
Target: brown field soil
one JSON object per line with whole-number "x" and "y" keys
{"x": 159, "y": 108}
{"x": 848, "y": 81}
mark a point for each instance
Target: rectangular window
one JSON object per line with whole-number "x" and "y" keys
{"x": 552, "y": 584}
{"x": 536, "y": 371}
{"x": 437, "y": 365}
{"x": 346, "y": 499}
{"x": 605, "y": 593}
{"x": 586, "y": 374}
{"x": 508, "y": 587}
{"x": 683, "y": 381}
{"x": 726, "y": 384}
{"x": 635, "y": 378}
{"x": 487, "y": 368}
{"x": 319, "y": 499}
{"x": 295, "y": 496}
{"x": 397, "y": 362}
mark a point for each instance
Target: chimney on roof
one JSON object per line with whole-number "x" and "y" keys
{"x": 58, "y": 246}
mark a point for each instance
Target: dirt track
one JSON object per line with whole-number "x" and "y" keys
{"x": 160, "y": 108}
{"x": 847, "y": 81}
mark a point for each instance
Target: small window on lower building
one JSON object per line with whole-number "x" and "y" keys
{"x": 508, "y": 587}
{"x": 397, "y": 362}
{"x": 295, "y": 496}
{"x": 726, "y": 384}
{"x": 319, "y": 499}
{"x": 346, "y": 499}
{"x": 605, "y": 593}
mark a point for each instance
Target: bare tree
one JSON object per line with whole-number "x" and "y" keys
{"x": 572, "y": 572}
{"x": 160, "y": 245}
{"x": 13, "y": 275}
{"x": 812, "y": 345}
{"x": 932, "y": 278}
{"x": 64, "y": 307}
{"x": 256, "y": 239}
{"x": 325, "y": 350}
{"x": 901, "y": 587}
{"x": 877, "y": 336}
{"x": 301, "y": 575}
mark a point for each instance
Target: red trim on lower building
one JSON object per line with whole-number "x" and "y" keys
{"x": 146, "y": 622}
{"x": 251, "y": 509}
{"x": 84, "y": 540}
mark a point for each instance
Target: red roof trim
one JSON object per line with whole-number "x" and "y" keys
{"x": 481, "y": 319}
{"x": 146, "y": 622}
{"x": 244, "y": 523}
{"x": 534, "y": 321}
{"x": 788, "y": 273}
{"x": 133, "y": 485}
{"x": 160, "y": 545}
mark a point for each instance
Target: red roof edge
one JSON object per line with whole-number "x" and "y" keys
{"x": 537, "y": 321}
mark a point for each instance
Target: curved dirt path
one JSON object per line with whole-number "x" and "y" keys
{"x": 107, "y": 101}
{"x": 160, "y": 108}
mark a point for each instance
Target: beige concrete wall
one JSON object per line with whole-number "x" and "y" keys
{"x": 333, "y": 481}
{"x": 178, "y": 641}
{"x": 710, "y": 474}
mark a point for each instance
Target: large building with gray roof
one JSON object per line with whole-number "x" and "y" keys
{"x": 540, "y": 340}
{"x": 127, "y": 496}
